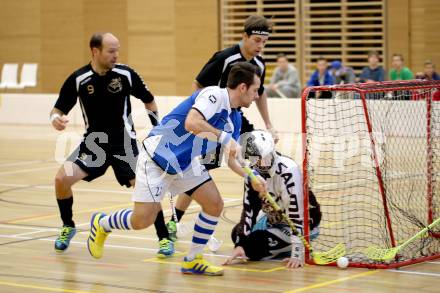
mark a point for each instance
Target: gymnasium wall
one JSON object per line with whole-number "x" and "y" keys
{"x": 41, "y": 104}
{"x": 412, "y": 29}
{"x": 424, "y": 33}
{"x": 166, "y": 41}
{"x": 305, "y": 30}
{"x": 285, "y": 113}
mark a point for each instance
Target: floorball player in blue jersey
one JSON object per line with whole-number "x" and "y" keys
{"x": 169, "y": 162}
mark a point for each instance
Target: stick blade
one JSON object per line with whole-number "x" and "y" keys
{"x": 323, "y": 258}
{"x": 381, "y": 254}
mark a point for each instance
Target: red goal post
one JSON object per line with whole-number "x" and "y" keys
{"x": 372, "y": 158}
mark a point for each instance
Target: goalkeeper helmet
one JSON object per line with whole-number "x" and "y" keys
{"x": 259, "y": 149}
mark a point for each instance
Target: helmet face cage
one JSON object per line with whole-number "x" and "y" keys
{"x": 263, "y": 165}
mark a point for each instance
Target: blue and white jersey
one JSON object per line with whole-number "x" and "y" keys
{"x": 173, "y": 148}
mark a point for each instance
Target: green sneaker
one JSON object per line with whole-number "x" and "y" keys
{"x": 166, "y": 248}
{"x": 172, "y": 230}
{"x": 63, "y": 241}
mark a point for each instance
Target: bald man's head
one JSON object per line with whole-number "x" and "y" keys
{"x": 105, "y": 50}
{"x": 97, "y": 39}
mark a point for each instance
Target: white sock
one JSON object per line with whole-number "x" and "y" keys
{"x": 118, "y": 220}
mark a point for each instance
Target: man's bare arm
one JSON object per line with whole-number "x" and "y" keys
{"x": 58, "y": 119}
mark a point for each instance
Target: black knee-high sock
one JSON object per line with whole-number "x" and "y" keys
{"x": 179, "y": 215}
{"x": 65, "y": 206}
{"x": 161, "y": 228}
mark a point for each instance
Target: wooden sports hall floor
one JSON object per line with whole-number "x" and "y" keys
{"x": 29, "y": 223}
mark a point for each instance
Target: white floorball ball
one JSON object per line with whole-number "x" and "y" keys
{"x": 342, "y": 262}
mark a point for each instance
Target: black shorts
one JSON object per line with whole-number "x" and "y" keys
{"x": 271, "y": 243}
{"x": 212, "y": 160}
{"x": 94, "y": 158}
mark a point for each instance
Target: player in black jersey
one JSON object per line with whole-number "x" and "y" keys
{"x": 103, "y": 89}
{"x": 216, "y": 71}
{"x": 255, "y": 35}
{"x": 262, "y": 233}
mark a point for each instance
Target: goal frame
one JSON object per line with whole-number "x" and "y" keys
{"x": 362, "y": 89}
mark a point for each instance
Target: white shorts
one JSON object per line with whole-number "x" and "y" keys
{"x": 152, "y": 182}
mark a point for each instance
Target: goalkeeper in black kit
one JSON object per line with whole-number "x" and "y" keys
{"x": 261, "y": 233}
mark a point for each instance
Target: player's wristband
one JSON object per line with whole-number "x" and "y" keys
{"x": 224, "y": 138}
{"x": 297, "y": 248}
{"x": 154, "y": 117}
{"x": 54, "y": 116}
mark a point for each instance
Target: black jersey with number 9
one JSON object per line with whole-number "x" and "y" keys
{"x": 104, "y": 99}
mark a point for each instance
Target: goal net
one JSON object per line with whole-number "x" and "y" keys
{"x": 372, "y": 158}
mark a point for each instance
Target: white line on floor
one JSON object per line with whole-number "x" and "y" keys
{"x": 50, "y": 187}
{"x": 36, "y": 232}
{"x": 27, "y": 170}
{"x": 81, "y": 243}
{"x": 23, "y": 163}
{"x": 37, "y": 229}
{"x": 43, "y": 229}
{"x": 107, "y": 245}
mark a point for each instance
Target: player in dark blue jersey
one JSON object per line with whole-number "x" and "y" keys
{"x": 103, "y": 89}
{"x": 170, "y": 161}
